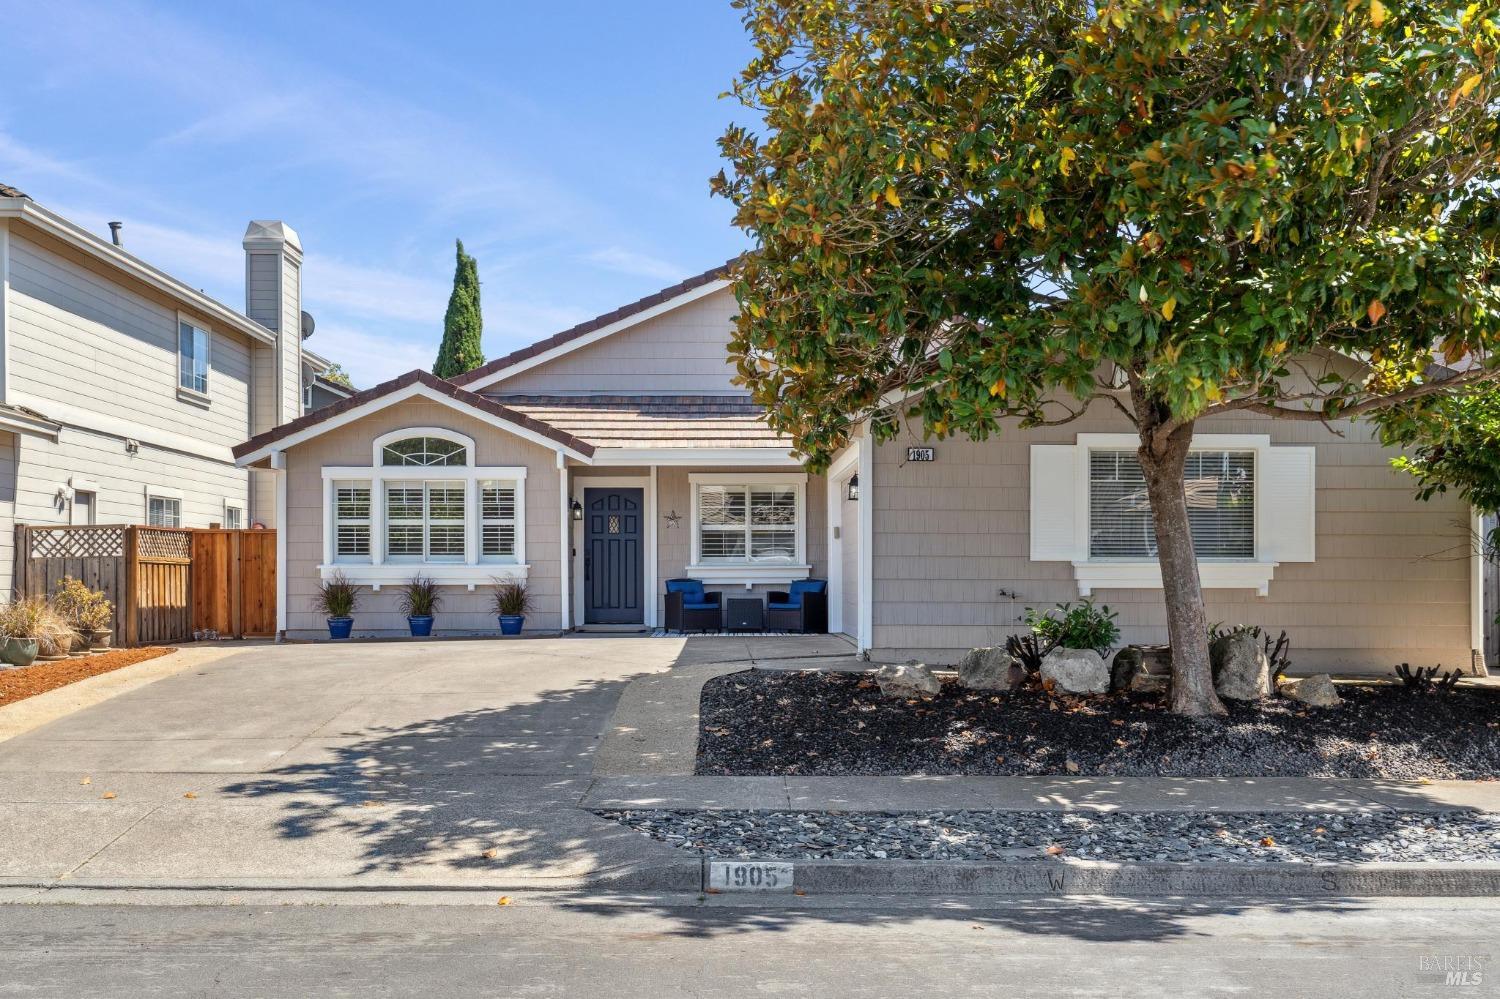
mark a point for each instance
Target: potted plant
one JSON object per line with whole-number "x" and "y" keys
{"x": 33, "y": 630}
{"x": 94, "y": 623}
{"x": 419, "y": 602}
{"x": 337, "y": 599}
{"x": 512, "y": 601}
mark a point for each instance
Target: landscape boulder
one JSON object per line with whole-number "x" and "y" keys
{"x": 989, "y": 669}
{"x": 1076, "y": 671}
{"x": 1142, "y": 668}
{"x": 907, "y": 680}
{"x": 1314, "y": 691}
{"x": 1241, "y": 670}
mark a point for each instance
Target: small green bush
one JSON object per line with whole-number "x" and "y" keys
{"x": 1075, "y": 626}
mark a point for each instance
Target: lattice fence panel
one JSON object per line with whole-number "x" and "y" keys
{"x": 77, "y": 542}
{"x": 164, "y": 546}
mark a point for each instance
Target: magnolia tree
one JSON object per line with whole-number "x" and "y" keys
{"x": 972, "y": 217}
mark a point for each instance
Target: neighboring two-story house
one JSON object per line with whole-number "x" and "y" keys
{"x": 604, "y": 460}
{"x": 123, "y": 389}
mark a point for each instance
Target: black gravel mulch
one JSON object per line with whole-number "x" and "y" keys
{"x": 816, "y": 724}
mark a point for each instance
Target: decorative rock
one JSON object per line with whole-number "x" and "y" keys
{"x": 1128, "y": 663}
{"x": 1315, "y": 691}
{"x": 910, "y": 679}
{"x": 1076, "y": 671}
{"x": 1241, "y": 670}
{"x": 1150, "y": 683}
{"x": 989, "y": 669}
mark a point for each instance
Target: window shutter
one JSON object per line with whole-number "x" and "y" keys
{"x": 1054, "y": 503}
{"x": 1289, "y": 504}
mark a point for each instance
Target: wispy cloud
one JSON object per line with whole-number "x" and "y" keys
{"x": 634, "y": 264}
{"x": 370, "y": 358}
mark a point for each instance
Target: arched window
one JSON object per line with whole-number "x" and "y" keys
{"x": 424, "y": 451}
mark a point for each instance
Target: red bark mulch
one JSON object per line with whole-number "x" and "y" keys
{"x": 40, "y": 677}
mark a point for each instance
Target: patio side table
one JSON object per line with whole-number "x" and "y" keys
{"x": 744, "y": 614}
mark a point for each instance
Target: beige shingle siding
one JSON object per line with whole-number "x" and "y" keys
{"x": 682, "y": 351}
{"x": 1391, "y": 582}
{"x": 462, "y": 610}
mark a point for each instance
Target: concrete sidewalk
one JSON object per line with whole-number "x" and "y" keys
{"x": 1001, "y": 794}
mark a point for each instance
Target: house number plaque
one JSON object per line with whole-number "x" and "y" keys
{"x": 921, "y": 454}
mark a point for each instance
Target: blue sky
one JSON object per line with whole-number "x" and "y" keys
{"x": 568, "y": 145}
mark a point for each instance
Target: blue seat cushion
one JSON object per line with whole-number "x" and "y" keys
{"x": 788, "y": 605}
{"x": 700, "y": 605}
{"x": 795, "y": 591}
{"x": 691, "y": 589}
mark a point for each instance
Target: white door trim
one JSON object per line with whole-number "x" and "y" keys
{"x": 647, "y": 485}
{"x": 833, "y": 491}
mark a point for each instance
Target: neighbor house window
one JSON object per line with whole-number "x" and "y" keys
{"x": 1220, "y": 487}
{"x": 163, "y": 511}
{"x": 234, "y": 518}
{"x": 748, "y": 523}
{"x": 192, "y": 358}
{"x": 351, "y": 518}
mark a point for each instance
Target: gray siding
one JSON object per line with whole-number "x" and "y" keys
{"x": 1385, "y": 587}
{"x": 81, "y": 338}
{"x": 683, "y": 351}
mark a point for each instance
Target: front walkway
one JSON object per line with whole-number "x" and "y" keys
{"x": 453, "y": 764}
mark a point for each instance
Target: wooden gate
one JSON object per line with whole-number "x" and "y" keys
{"x": 234, "y": 582}
{"x": 164, "y": 582}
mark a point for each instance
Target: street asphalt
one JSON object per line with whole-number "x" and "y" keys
{"x": 598, "y": 946}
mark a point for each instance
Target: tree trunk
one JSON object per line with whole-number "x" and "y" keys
{"x": 1163, "y": 456}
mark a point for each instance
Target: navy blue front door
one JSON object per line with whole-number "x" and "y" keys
{"x": 613, "y": 570}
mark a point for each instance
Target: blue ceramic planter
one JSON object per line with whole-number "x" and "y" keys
{"x": 340, "y": 627}
{"x": 510, "y": 624}
{"x": 421, "y": 627}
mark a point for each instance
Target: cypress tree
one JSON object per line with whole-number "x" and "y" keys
{"x": 463, "y": 326}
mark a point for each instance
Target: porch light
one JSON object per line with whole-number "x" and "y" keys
{"x": 853, "y": 493}
{"x": 576, "y": 508}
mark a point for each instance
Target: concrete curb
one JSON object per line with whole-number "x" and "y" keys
{"x": 1146, "y": 880}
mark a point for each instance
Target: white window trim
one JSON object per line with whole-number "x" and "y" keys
{"x": 473, "y": 570}
{"x": 438, "y": 432}
{"x": 1252, "y": 573}
{"x": 184, "y": 392}
{"x": 748, "y": 573}
{"x": 230, "y": 504}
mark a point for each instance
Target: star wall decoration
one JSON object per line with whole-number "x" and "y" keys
{"x": 674, "y": 518}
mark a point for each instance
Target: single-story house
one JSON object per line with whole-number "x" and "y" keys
{"x": 600, "y": 462}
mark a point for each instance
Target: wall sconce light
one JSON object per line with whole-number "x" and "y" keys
{"x": 853, "y": 492}
{"x": 576, "y": 509}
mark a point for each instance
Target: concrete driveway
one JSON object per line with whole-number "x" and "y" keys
{"x": 410, "y": 764}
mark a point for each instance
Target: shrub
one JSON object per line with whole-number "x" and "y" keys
{"x": 84, "y": 609}
{"x": 35, "y": 618}
{"x": 1420, "y": 680}
{"x": 420, "y": 597}
{"x": 1027, "y": 651}
{"x": 337, "y": 597}
{"x": 1075, "y": 626}
{"x": 512, "y": 598}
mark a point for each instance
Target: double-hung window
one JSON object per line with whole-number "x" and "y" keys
{"x": 1220, "y": 488}
{"x": 748, "y": 523}
{"x": 192, "y": 358}
{"x": 163, "y": 511}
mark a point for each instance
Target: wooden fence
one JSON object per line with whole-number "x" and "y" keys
{"x": 234, "y": 582}
{"x": 164, "y": 582}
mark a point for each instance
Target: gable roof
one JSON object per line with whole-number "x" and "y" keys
{"x": 577, "y": 336}
{"x": 413, "y": 383}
